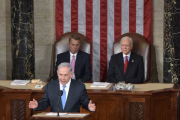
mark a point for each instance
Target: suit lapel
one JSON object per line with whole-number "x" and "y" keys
{"x": 78, "y": 61}
{"x": 57, "y": 89}
{"x": 130, "y": 63}
{"x": 67, "y": 57}
{"x": 70, "y": 95}
{"x": 121, "y": 63}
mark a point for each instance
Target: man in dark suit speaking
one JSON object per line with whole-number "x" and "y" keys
{"x": 126, "y": 66}
{"x": 74, "y": 93}
{"x": 80, "y": 61}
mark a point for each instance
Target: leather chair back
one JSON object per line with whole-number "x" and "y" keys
{"x": 140, "y": 46}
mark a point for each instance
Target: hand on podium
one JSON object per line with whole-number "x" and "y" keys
{"x": 91, "y": 106}
{"x": 33, "y": 104}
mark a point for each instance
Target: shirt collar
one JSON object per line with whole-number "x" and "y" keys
{"x": 72, "y": 54}
{"x": 67, "y": 85}
{"x": 127, "y": 55}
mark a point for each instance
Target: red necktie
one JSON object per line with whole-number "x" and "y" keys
{"x": 125, "y": 64}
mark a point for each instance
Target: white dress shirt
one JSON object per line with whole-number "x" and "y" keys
{"x": 66, "y": 88}
{"x": 124, "y": 56}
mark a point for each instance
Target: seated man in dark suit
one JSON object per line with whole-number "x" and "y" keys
{"x": 80, "y": 61}
{"x": 74, "y": 93}
{"x": 126, "y": 66}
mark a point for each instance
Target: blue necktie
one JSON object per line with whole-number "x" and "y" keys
{"x": 63, "y": 97}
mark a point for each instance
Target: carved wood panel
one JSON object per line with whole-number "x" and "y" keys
{"x": 136, "y": 111}
{"x": 18, "y": 109}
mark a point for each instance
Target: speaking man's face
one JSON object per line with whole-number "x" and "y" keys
{"x": 126, "y": 46}
{"x": 74, "y": 46}
{"x": 64, "y": 75}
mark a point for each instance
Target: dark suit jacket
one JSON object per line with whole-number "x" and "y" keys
{"x": 82, "y": 65}
{"x": 77, "y": 96}
{"x": 134, "y": 72}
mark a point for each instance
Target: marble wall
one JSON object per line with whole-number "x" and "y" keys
{"x": 171, "y": 41}
{"x": 44, "y": 33}
{"x": 22, "y": 33}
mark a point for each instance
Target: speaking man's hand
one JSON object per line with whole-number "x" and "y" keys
{"x": 91, "y": 106}
{"x": 33, "y": 104}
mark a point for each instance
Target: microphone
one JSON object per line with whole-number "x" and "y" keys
{"x": 60, "y": 94}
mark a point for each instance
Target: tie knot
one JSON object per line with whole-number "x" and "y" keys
{"x": 126, "y": 57}
{"x": 64, "y": 86}
{"x": 73, "y": 56}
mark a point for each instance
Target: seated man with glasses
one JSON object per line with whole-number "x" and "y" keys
{"x": 126, "y": 66}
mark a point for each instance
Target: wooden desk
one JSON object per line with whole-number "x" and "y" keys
{"x": 43, "y": 116}
{"x": 154, "y": 104}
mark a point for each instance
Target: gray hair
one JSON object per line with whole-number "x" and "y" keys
{"x": 129, "y": 38}
{"x": 65, "y": 64}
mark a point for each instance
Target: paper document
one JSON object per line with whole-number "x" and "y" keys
{"x": 20, "y": 82}
{"x": 100, "y": 84}
{"x": 39, "y": 86}
{"x": 56, "y": 113}
{"x": 77, "y": 114}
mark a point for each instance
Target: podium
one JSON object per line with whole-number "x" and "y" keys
{"x": 69, "y": 116}
{"x": 150, "y": 101}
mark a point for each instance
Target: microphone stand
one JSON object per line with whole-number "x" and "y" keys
{"x": 60, "y": 94}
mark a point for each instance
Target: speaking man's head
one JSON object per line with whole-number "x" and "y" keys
{"x": 64, "y": 73}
